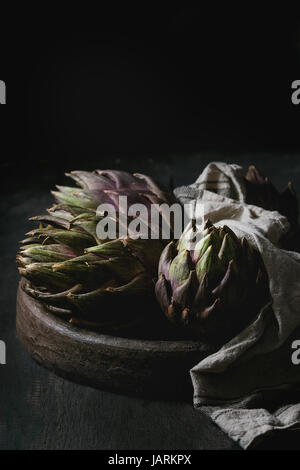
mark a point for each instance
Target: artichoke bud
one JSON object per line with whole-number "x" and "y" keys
{"x": 69, "y": 212}
{"x": 86, "y": 259}
{"x": 83, "y": 270}
{"x": 228, "y": 287}
{"x": 146, "y": 251}
{"x": 210, "y": 265}
{"x": 203, "y": 296}
{"x": 53, "y": 219}
{"x": 118, "y": 257}
{"x": 228, "y": 251}
{"x": 222, "y": 234}
{"x": 63, "y": 254}
{"x": 180, "y": 268}
{"x": 72, "y": 238}
{"x": 110, "y": 249}
{"x": 206, "y": 229}
{"x": 47, "y": 253}
{"x": 254, "y": 176}
{"x": 124, "y": 268}
{"x": 222, "y": 280}
{"x": 76, "y": 197}
{"x": 42, "y": 274}
{"x": 182, "y": 294}
{"x": 173, "y": 313}
{"x": 59, "y": 299}
{"x": 209, "y": 314}
{"x": 207, "y": 225}
{"x": 87, "y": 179}
{"x": 201, "y": 247}
{"x": 232, "y": 235}
{"x": 261, "y": 192}
{"x": 168, "y": 254}
{"x": 163, "y": 292}
{"x": 23, "y": 261}
{"x": 216, "y": 238}
{"x": 87, "y": 223}
{"x": 89, "y": 301}
{"x": 189, "y": 238}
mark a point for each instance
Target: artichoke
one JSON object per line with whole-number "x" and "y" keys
{"x": 90, "y": 281}
{"x": 216, "y": 288}
{"x": 261, "y": 192}
{"x": 105, "y": 186}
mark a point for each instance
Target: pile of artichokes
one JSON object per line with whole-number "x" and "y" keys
{"x": 210, "y": 292}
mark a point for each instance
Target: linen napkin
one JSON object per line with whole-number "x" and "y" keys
{"x": 251, "y": 386}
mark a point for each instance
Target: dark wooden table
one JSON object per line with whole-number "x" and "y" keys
{"x": 41, "y": 411}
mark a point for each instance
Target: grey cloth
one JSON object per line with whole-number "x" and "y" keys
{"x": 250, "y": 386}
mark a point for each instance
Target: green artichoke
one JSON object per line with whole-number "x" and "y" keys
{"x": 216, "y": 288}
{"x": 89, "y": 281}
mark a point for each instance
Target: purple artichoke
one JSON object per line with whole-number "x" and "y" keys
{"x": 261, "y": 192}
{"x": 214, "y": 290}
{"x": 89, "y": 281}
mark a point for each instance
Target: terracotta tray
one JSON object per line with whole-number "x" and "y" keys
{"x": 152, "y": 368}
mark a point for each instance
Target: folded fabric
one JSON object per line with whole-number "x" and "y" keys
{"x": 250, "y": 387}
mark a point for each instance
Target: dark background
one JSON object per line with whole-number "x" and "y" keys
{"x": 158, "y": 90}
{"x": 93, "y": 87}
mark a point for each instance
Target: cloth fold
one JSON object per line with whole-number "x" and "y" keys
{"x": 250, "y": 387}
